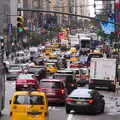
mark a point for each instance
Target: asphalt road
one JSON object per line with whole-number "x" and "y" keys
{"x": 112, "y": 108}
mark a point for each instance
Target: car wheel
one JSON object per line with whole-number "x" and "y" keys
{"x": 113, "y": 89}
{"x": 91, "y": 86}
{"x": 0, "y": 113}
{"x": 67, "y": 110}
{"x": 102, "y": 109}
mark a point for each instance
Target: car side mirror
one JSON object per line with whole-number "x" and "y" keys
{"x": 10, "y": 101}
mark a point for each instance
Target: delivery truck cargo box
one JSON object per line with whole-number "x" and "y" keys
{"x": 102, "y": 73}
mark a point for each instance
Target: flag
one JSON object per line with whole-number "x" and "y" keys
{"x": 108, "y": 27}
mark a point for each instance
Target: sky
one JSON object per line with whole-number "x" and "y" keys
{"x": 98, "y": 5}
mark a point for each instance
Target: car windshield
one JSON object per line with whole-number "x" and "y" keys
{"x": 14, "y": 67}
{"x": 84, "y": 71}
{"x": 34, "y": 70}
{"x": 51, "y": 65}
{"x": 52, "y": 84}
{"x": 20, "y": 55}
{"x": 32, "y": 100}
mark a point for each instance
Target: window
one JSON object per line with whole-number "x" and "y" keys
{"x": 55, "y": 85}
{"x": 32, "y": 100}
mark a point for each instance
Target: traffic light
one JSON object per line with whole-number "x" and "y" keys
{"x": 20, "y": 24}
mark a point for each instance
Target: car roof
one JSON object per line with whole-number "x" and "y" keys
{"x": 14, "y": 65}
{"x": 66, "y": 70}
{"x": 63, "y": 74}
{"x": 74, "y": 69}
{"x": 27, "y": 92}
{"x": 51, "y": 79}
{"x": 50, "y": 63}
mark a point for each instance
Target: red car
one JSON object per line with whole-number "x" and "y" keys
{"x": 77, "y": 65}
{"x": 26, "y": 82}
{"x": 55, "y": 90}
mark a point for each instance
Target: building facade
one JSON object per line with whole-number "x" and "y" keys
{"x": 4, "y": 12}
{"x": 79, "y": 7}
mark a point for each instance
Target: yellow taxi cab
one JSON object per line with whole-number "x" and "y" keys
{"x": 74, "y": 58}
{"x": 48, "y": 51}
{"x": 51, "y": 67}
{"x": 52, "y": 56}
{"x": 73, "y": 50}
{"x": 25, "y": 105}
{"x": 55, "y": 45}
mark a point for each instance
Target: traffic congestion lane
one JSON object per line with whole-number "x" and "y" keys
{"x": 58, "y": 112}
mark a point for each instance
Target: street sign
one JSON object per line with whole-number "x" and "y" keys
{"x": 9, "y": 29}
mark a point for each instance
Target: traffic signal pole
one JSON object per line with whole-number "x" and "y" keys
{"x": 70, "y": 14}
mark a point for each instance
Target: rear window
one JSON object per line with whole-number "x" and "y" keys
{"x": 25, "y": 76}
{"x": 52, "y": 84}
{"x": 14, "y": 68}
{"x": 68, "y": 78}
{"x": 81, "y": 94}
{"x": 32, "y": 100}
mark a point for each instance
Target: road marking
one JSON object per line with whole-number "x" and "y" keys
{"x": 70, "y": 117}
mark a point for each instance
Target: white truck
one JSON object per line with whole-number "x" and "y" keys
{"x": 74, "y": 40}
{"x": 103, "y": 73}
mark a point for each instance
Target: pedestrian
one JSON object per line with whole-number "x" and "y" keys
{"x": 5, "y": 70}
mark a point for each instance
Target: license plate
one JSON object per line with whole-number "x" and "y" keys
{"x": 79, "y": 102}
{"x": 51, "y": 93}
{"x": 25, "y": 85}
{"x": 35, "y": 116}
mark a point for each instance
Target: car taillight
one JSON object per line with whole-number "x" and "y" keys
{"x": 72, "y": 85}
{"x": 68, "y": 99}
{"x": 31, "y": 81}
{"x": 90, "y": 101}
{"x": 62, "y": 91}
{"x": 10, "y": 113}
{"x": 113, "y": 83}
{"x": 91, "y": 81}
{"x": 14, "y": 107}
{"x": 38, "y": 89}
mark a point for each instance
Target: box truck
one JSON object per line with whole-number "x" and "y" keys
{"x": 103, "y": 73}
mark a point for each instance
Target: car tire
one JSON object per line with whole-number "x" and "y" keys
{"x": 67, "y": 109}
{"x": 113, "y": 89}
{"x": 103, "y": 108}
{"x": 0, "y": 113}
{"x": 91, "y": 86}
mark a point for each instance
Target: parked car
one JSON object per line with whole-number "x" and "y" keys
{"x": 85, "y": 100}
{"x": 28, "y": 106}
{"x": 13, "y": 71}
{"x": 55, "y": 90}
{"x": 26, "y": 81}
